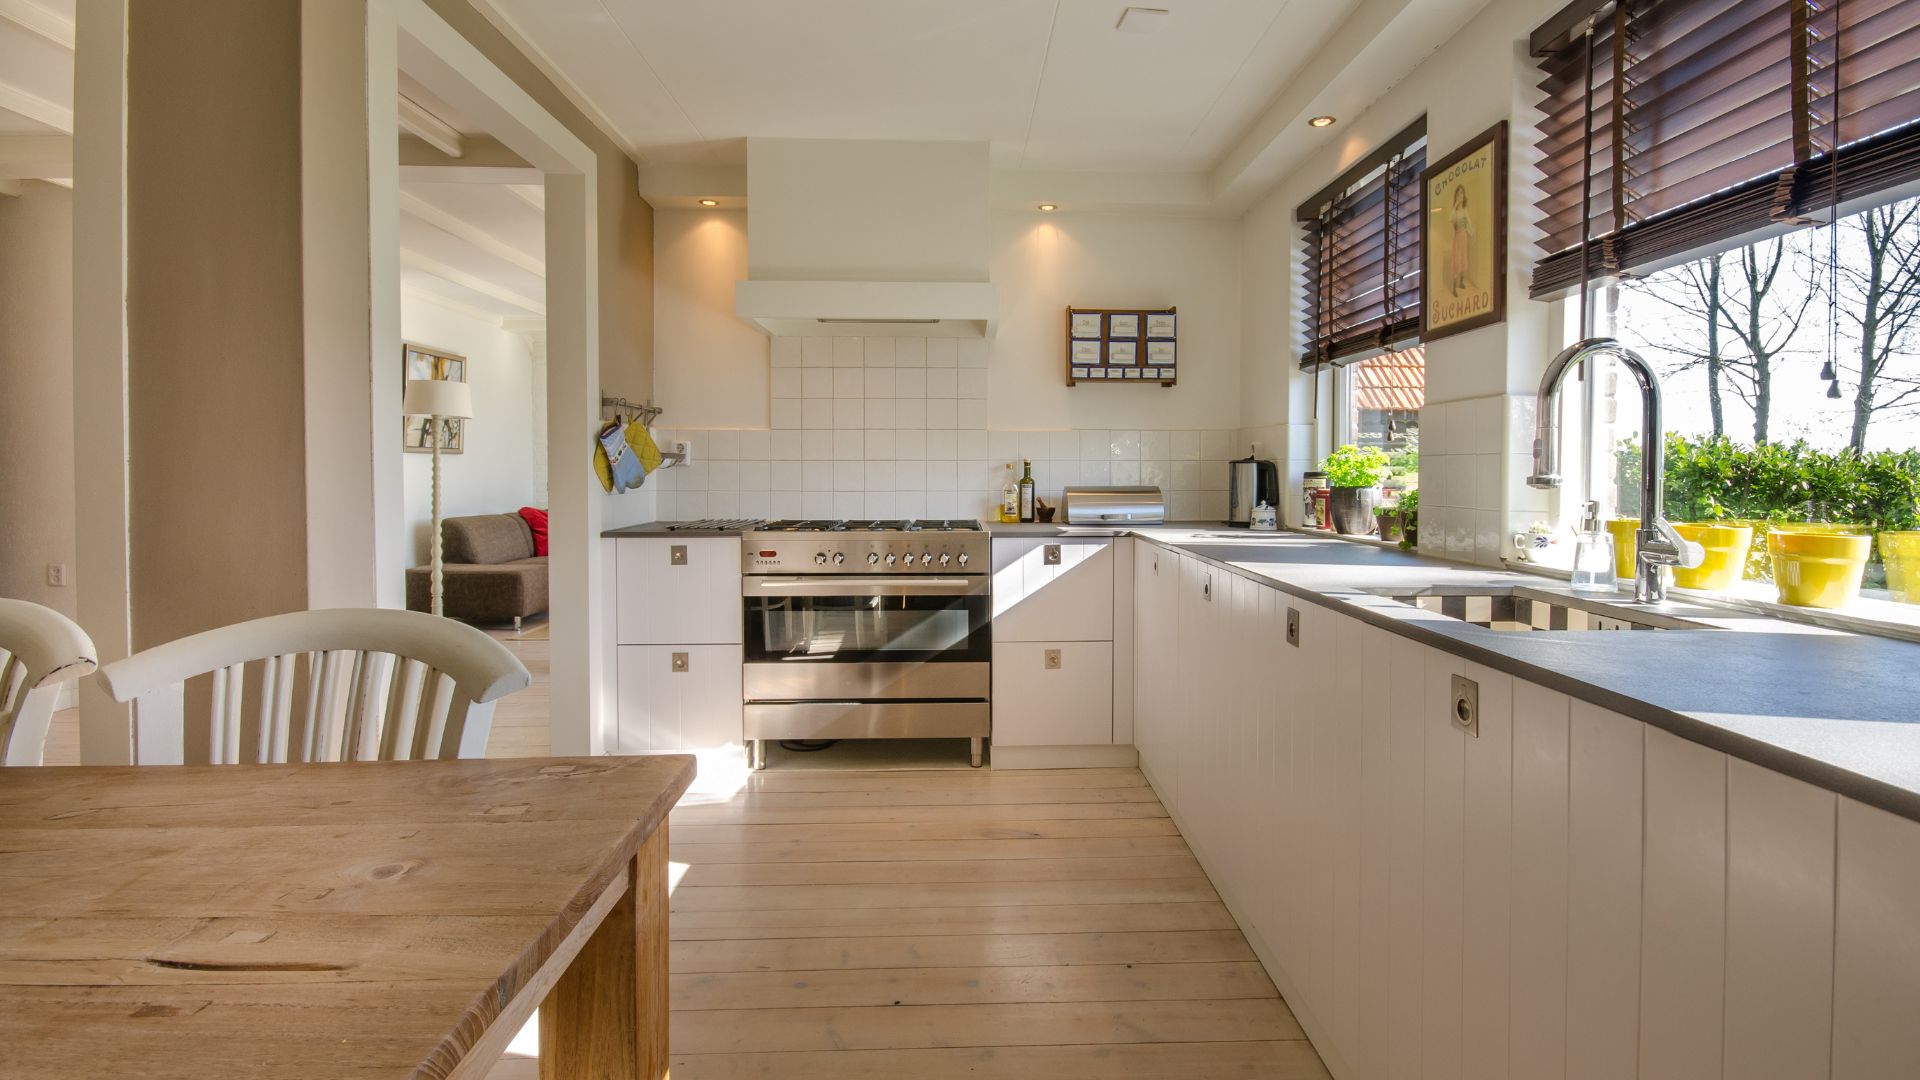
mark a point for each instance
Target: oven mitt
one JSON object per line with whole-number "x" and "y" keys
{"x": 603, "y": 468}
{"x": 623, "y": 469}
{"x": 641, "y": 440}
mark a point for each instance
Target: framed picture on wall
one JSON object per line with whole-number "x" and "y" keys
{"x": 423, "y": 362}
{"x": 1463, "y": 237}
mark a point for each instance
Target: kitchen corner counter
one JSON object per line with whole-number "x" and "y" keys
{"x": 1836, "y": 710}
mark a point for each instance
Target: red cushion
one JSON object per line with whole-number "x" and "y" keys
{"x": 537, "y": 521}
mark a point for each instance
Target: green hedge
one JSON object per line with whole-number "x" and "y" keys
{"x": 1716, "y": 479}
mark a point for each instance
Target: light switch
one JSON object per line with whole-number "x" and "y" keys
{"x": 680, "y": 661}
{"x": 677, "y": 555}
{"x": 1053, "y": 660}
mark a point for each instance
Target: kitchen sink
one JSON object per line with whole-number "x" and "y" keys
{"x": 1521, "y": 608}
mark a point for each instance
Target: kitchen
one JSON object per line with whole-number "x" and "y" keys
{"x": 1454, "y": 848}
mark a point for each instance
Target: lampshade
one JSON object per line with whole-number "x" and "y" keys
{"x": 437, "y": 397}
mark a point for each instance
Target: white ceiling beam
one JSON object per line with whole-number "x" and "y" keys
{"x": 36, "y": 157}
{"x": 556, "y": 74}
{"x": 32, "y": 17}
{"x": 1375, "y": 47}
{"x": 418, "y": 121}
{"x": 461, "y": 229}
{"x": 471, "y": 311}
{"x": 534, "y": 195}
{"x": 35, "y": 108}
{"x": 413, "y": 260}
{"x": 470, "y": 174}
{"x": 684, "y": 185}
{"x": 1160, "y": 194}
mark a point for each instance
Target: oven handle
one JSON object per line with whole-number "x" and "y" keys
{"x": 873, "y": 586}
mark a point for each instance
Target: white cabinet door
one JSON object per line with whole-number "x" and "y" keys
{"x": 1198, "y": 705}
{"x": 1067, "y": 704}
{"x": 1876, "y": 966}
{"x": 1605, "y": 765}
{"x": 1539, "y": 891}
{"x": 673, "y": 591}
{"x": 1683, "y": 920}
{"x": 669, "y": 707}
{"x": 1038, "y": 599}
{"x": 1156, "y": 661}
{"x": 1780, "y": 880}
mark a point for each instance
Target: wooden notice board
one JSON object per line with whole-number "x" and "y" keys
{"x": 1123, "y": 345}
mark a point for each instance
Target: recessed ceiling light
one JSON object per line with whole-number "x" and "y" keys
{"x": 1320, "y": 121}
{"x": 1047, "y": 206}
{"x": 709, "y": 202}
{"x": 1141, "y": 20}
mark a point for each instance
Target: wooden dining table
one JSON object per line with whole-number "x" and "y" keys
{"x": 380, "y": 919}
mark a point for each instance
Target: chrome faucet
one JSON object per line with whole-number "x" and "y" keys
{"x": 1658, "y": 544}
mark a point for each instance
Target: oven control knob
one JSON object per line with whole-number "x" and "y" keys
{"x": 926, "y": 558}
{"x": 945, "y": 558}
{"x": 892, "y": 558}
{"x": 819, "y": 558}
{"x": 839, "y": 557}
{"x": 872, "y": 557}
{"x": 963, "y": 558}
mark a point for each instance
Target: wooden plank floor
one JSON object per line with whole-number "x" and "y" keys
{"x": 933, "y": 925}
{"x": 948, "y": 924}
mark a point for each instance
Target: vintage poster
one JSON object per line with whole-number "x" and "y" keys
{"x": 1463, "y": 271}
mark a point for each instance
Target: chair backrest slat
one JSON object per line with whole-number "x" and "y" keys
{"x": 41, "y": 651}
{"x": 346, "y": 685}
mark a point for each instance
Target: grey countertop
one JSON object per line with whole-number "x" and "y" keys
{"x": 660, "y": 528}
{"x": 1833, "y": 709}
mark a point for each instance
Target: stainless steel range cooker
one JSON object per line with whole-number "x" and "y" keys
{"x": 866, "y": 630}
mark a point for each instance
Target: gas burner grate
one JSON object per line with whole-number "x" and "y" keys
{"x": 718, "y": 523}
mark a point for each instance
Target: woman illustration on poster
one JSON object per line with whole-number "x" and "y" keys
{"x": 1460, "y": 255}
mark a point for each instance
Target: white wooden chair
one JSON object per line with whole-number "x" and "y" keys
{"x": 40, "y": 651}
{"x": 342, "y": 684}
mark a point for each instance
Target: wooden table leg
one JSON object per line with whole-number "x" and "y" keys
{"x": 606, "y": 1019}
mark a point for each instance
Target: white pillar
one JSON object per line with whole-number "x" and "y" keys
{"x": 575, "y": 581}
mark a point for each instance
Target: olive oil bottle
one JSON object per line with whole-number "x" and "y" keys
{"x": 1010, "y": 498}
{"x": 1026, "y": 491}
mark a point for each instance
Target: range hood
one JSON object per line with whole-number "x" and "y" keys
{"x": 864, "y": 308}
{"x": 858, "y": 238}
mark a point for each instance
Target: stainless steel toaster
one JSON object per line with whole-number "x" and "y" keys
{"x": 1113, "y": 506}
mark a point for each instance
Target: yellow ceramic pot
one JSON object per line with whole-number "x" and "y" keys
{"x": 1901, "y": 552}
{"x": 1625, "y": 545}
{"x": 1726, "y": 547}
{"x": 1818, "y": 569}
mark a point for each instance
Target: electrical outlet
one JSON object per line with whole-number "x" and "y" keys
{"x": 1293, "y": 627}
{"x": 684, "y": 447}
{"x": 1053, "y": 660}
{"x": 57, "y": 575}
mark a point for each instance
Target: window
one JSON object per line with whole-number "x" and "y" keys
{"x": 1383, "y": 397}
{"x": 1695, "y": 199}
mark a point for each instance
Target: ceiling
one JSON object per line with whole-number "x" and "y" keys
{"x": 1050, "y": 84}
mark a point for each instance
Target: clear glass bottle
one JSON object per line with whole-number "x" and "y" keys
{"x": 1026, "y": 491}
{"x": 1010, "y": 498}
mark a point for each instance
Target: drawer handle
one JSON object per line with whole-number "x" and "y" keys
{"x": 680, "y": 662}
{"x": 677, "y": 555}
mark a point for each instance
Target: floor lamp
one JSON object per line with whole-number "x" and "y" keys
{"x": 442, "y": 400}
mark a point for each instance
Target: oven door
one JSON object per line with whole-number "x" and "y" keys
{"x": 864, "y": 620}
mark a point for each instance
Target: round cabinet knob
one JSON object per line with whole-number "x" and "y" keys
{"x": 819, "y": 558}
{"x": 963, "y": 558}
{"x": 892, "y": 558}
{"x": 872, "y": 557}
{"x": 926, "y": 558}
{"x": 945, "y": 558}
{"x": 839, "y": 557}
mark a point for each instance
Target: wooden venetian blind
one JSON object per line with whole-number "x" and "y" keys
{"x": 1361, "y": 273}
{"x": 1692, "y": 124}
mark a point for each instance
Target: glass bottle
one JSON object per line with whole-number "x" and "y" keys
{"x": 1010, "y": 498}
{"x": 1026, "y": 491}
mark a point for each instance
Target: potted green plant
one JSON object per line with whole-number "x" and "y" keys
{"x": 1410, "y": 519}
{"x": 1354, "y": 473}
{"x": 1388, "y": 519}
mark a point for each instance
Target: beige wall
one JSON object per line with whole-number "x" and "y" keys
{"x": 215, "y": 375}
{"x": 36, "y": 405}
{"x": 626, "y": 220}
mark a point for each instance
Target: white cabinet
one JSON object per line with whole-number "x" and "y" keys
{"x": 679, "y": 698}
{"x": 673, "y": 591}
{"x": 1057, "y": 596}
{"x": 1568, "y": 892}
{"x": 1052, "y": 693}
{"x": 1052, "y": 589}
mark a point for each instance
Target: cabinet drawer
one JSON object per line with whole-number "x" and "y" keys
{"x": 1036, "y": 598}
{"x": 1037, "y": 705}
{"x": 678, "y": 708}
{"x": 671, "y": 591}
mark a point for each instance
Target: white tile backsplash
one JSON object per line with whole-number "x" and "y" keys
{"x": 897, "y": 427}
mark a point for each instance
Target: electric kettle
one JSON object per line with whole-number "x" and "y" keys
{"x": 1250, "y": 482}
